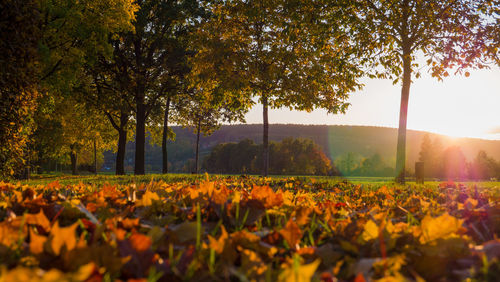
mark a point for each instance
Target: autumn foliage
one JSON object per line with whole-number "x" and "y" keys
{"x": 248, "y": 228}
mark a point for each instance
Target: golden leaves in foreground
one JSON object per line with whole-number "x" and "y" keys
{"x": 283, "y": 232}
{"x": 52, "y": 275}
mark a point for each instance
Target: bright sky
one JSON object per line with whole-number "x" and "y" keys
{"x": 457, "y": 106}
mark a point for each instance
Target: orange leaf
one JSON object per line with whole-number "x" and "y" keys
{"x": 9, "y": 235}
{"x": 140, "y": 242}
{"x": 62, "y": 237}
{"x": 207, "y": 187}
{"x": 36, "y": 242}
{"x": 267, "y": 196}
{"x": 302, "y": 215}
{"x": 359, "y": 278}
{"x": 291, "y": 233}
{"x": 129, "y": 223}
{"x": 218, "y": 244}
{"x": 38, "y": 219}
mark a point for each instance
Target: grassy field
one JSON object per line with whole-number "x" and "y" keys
{"x": 101, "y": 178}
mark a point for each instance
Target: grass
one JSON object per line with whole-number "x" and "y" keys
{"x": 66, "y": 179}
{"x": 101, "y": 178}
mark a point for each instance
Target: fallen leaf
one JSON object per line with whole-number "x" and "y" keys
{"x": 291, "y": 233}
{"x": 439, "y": 227}
{"x": 302, "y": 273}
{"x": 370, "y": 231}
{"x": 140, "y": 242}
{"x": 36, "y": 242}
{"x": 38, "y": 219}
{"x": 148, "y": 198}
{"x": 60, "y": 237}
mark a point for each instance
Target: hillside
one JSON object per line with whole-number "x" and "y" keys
{"x": 335, "y": 140}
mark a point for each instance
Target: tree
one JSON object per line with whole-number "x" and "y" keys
{"x": 454, "y": 163}
{"x": 145, "y": 57}
{"x": 372, "y": 166}
{"x": 75, "y": 33}
{"x": 290, "y": 156}
{"x": 483, "y": 167}
{"x": 48, "y": 43}
{"x": 20, "y": 33}
{"x": 204, "y": 112}
{"x": 347, "y": 163}
{"x": 299, "y": 156}
{"x": 284, "y": 53}
{"x": 107, "y": 93}
{"x": 69, "y": 132}
{"x": 431, "y": 154}
{"x": 398, "y": 31}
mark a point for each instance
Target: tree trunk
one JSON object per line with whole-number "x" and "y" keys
{"x": 122, "y": 143}
{"x": 165, "y": 137}
{"x": 74, "y": 160}
{"x": 403, "y": 114}
{"x": 265, "y": 137}
{"x": 95, "y": 157}
{"x": 197, "y": 145}
{"x": 140, "y": 136}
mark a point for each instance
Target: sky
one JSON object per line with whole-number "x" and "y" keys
{"x": 458, "y": 106}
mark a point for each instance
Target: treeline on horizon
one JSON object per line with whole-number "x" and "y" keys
{"x": 299, "y": 156}
{"x": 80, "y": 78}
{"x": 351, "y": 150}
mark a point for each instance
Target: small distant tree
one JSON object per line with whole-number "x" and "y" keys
{"x": 372, "y": 166}
{"x": 290, "y": 157}
{"x": 204, "y": 112}
{"x": 431, "y": 154}
{"x": 347, "y": 163}
{"x": 299, "y": 156}
{"x": 454, "y": 163}
{"x": 483, "y": 167}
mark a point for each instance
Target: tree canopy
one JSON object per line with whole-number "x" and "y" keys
{"x": 283, "y": 53}
{"x": 397, "y": 32}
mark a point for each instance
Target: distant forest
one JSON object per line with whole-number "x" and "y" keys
{"x": 338, "y": 142}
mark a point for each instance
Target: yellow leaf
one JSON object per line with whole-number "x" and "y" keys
{"x": 148, "y": 198}
{"x": 440, "y": 227}
{"x": 370, "y": 231}
{"x": 62, "y": 237}
{"x": 207, "y": 187}
{"x": 236, "y": 197}
{"x": 302, "y": 273}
